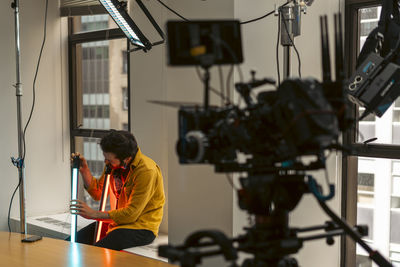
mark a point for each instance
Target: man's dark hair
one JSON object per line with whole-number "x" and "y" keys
{"x": 122, "y": 143}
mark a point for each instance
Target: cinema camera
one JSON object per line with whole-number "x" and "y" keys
{"x": 302, "y": 117}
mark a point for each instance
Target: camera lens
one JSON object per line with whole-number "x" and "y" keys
{"x": 191, "y": 148}
{"x": 187, "y": 148}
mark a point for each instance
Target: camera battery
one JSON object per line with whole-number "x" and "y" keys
{"x": 383, "y": 90}
{"x": 362, "y": 78}
{"x": 374, "y": 85}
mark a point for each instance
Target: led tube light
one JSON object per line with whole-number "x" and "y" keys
{"x": 74, "y": 195}
{"x": 102, "y": 207}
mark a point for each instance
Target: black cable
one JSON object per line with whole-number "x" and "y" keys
{"x": 228, "y": 87}
{"x": 34, "y": 80}
{"x": 212, "y": 89}
{"x": 230, "y": 181}
{"x": 292, "y": 42}
{"x": 9, "y": 208}
{"x": 221, "y": 84}
{"x": 244, "y": 22}
{"x": 173, "y": 11}
{"x": 277, "y": 49}
{"x": 266, "y": 15}
{"x": 373, "y": 254}
{"x": 32, "y": 108}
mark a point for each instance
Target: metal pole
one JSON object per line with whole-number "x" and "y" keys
{"x": 19, "y": 162}
{"x": 286, "y": 61}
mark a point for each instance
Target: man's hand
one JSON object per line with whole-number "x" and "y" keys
{"x": 81, "y": 208}
{"x": 83, "y": 169}
{"x": 83, "y": 166}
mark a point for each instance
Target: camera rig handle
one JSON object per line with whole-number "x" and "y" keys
{"x": 195, "y": 247}
{"x": 244, "y": 89}
{"x": 189, "y": 258}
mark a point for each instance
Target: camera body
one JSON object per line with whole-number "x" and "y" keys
{"x": 279, "y": 126}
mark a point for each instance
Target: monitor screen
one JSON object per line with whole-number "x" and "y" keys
{"x": 204, "y": 42}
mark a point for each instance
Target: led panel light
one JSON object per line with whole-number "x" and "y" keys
{"x": 102, "y": 207}
{"x": 117, "y": 10}
{"x": 118, "y": 13}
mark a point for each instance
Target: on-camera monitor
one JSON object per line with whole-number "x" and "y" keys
{"x": 204, "y": 42}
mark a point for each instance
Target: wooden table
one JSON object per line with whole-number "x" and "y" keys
{"x": 50, "y": 252}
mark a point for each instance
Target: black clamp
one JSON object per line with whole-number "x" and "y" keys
{"x": 17, "y": 162}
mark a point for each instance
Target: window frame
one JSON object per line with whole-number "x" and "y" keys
{"x": 350, "y": 158}
{"x": 73, "y": 40}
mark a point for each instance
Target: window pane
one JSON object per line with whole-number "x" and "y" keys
{"x": 387, "y": 128}
{"x": 378, "y": 206}
{"x": 365, "y": 195}
{"x": 102, "y": 100}
{"x": 363, "y": 261}
{"x": 93, "y": 23}
{"x": 368, "y": 20}
{"x": 369, "y": 13}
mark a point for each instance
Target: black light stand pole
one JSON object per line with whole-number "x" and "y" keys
{"x": 19, "y": 162}
{"x": 206, "y": 61}
{"x": 206, "y": 88}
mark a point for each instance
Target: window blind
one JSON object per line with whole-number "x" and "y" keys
{"x": 80, "y": 8}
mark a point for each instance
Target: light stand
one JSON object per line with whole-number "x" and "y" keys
{"x": 19, "y": 162}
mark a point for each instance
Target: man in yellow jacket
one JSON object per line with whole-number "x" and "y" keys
{"x": 137, "y": 186}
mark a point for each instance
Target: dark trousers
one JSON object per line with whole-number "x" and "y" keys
{"x": 117, "y": 239}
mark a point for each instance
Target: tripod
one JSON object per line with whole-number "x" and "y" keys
{"x": 270, "y": 197}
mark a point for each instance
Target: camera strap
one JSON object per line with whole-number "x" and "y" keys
{"x": 383, "y": 39}
{"x": 388, "y": 24}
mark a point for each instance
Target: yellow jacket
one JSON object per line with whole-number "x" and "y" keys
{"x": 140, "y": 204}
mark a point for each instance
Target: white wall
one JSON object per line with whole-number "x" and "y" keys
{"x": 198, "y": 198}
{"x": 47, "y": 138}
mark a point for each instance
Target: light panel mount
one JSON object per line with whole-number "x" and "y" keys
{"x": 118, "y": 11}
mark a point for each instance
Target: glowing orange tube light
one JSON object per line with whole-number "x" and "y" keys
{"x": 102, "y": 207}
